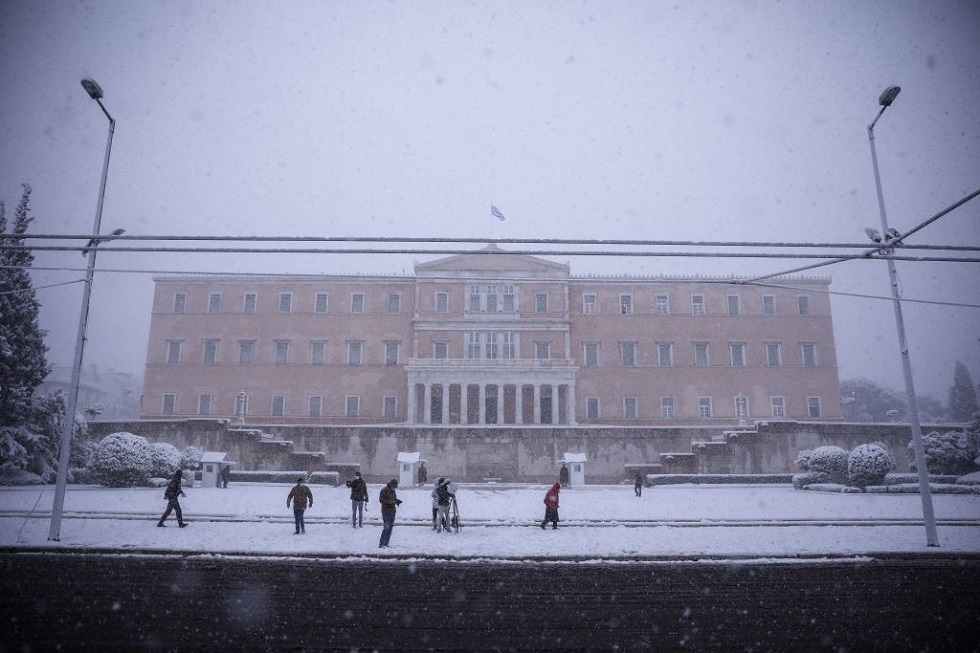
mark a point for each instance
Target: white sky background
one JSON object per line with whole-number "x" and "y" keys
{"x": 646, "y": 120}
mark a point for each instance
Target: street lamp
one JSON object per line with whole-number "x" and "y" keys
{"x": 891, "y": 236}
{"x": 95, "y": 92}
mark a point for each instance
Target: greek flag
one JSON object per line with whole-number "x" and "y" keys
{"x": 495, "y": 212}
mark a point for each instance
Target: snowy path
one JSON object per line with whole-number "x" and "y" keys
{"x": 603, "y": 522}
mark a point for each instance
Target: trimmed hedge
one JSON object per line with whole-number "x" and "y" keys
{"x": 934, "y": 488}
{"x": 717, "y": 479}
{"x": 316, "y": 478}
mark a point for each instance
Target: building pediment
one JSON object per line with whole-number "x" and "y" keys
{"x": 490, "y": 262}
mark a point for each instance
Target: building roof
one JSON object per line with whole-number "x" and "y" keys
{"x": 573, "y": 458}
{"x": 409, "y": 456}
{"x": 492, "y": 259}
{"x": 214, "y": 457}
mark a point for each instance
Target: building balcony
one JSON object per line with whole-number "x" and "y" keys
{"x": 490, "y": 364}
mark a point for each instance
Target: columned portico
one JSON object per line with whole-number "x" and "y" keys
{"x": 502, "y": 389}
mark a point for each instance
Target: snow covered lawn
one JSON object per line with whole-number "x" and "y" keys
{"x": 502, "y": 522}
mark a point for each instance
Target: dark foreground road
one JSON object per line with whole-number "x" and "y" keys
{"x": 77, "y": 602}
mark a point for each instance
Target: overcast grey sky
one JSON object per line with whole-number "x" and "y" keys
{"x": 649, "y": 120}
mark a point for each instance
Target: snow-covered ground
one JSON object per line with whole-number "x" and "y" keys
{"x": 603, "y": 522}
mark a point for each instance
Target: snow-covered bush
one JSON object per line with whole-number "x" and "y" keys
{"x": 190, "y": 457}
{"x": 122, "y": 460}
{"x": 164, "y": 459}
{"x": 14, "y": 447}
{"x": 800, "y": 481}
{"x": 80, "y": 461}
{"x": 827, "y": 464}
{"x": 953, "y": 452}
{"x": 868, "y": 464}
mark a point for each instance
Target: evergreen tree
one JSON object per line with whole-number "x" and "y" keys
{"x": 962, "y": 396}
{"x": 865, "y": 401}
{"x": 23, "y": 366}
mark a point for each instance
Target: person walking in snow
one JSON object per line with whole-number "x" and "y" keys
{"x": 301, "y": 497}
{"x": 444, "y": 496}
{"x": 551, "y": 506}
{"x": 389, "y": 504}
{"x": 172, "y": 494}
{"x": 358, "y": 499}
{"x": 435, "y": 501}
{"x": 638, "y": 485}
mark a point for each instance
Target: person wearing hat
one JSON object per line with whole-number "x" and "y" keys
{"x": 172, "y": 495}
{"x": 389, "y": 504}
{"x": 551, "y": 506}
{"x": 358, "y": 499}
{"x": 444, "y": 495}
{"x": 300, "y": 496}
{"x": 435, "y": 500}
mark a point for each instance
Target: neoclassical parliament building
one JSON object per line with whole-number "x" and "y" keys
{"x": 490, "y": 338}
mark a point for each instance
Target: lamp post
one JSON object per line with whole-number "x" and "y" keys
{"x": 932, "y": 539}
{"x": 95, "y": 92}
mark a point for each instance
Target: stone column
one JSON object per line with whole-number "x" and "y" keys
{"x": 412, "y": 404}
{"x": 500, "y": 403}
{"x": 519, "y": 405}
{"x": 570, "y": 404}
{"x": 427, "y": 403}
{"x": 481, "y": 418}
{"x": 537, "y": 403}
{"x": 445, "y": 403}
{"x": 464, "y": 403}
{"x": 554, "y": 404}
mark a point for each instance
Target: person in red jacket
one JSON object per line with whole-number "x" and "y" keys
{"x": 551, "y": 506}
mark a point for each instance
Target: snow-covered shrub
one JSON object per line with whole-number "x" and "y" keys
{"x": 190, "y": 457}
{"x": 868, "y": 464}
{"x": 15, "y": 442}
{"x": 122, "y": 460}
{"x": 827, "y": 464}
{"x": 164, "y": 459}
{"x": 82, "y": 453}
{"x": 800, "y": 481}
{"x": 952, "y": 452}
{"x": 80, "y": 461}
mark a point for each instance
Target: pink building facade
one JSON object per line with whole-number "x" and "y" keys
{"x": 490, "y": 338}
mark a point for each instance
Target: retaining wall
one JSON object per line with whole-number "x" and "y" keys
{"x": 527, "y": 454}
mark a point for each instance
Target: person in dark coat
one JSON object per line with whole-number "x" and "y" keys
{"x": 435, "y": 501}
{"x": 443, "y": 497}
{"x": 300, "y": 496}
{"x": 423, "y": 475}
{"x": 563, "y": 475}
{"x": 638, "y": 485}
{"x": 358, "y": 498}
{"x": 225, "y": 476}
{"x": 172, "y": 494}
{"x": 389, "y": 504}
{"x": 551, "y": 506}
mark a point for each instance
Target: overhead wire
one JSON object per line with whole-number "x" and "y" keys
{"x": 890, "y": 243}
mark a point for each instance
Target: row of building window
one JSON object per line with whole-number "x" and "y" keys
{"x": 352, "y": 405}
{"x": 630, "y": 406}
{"x": 777, "y": 407}
{"x": 737, "y": 354}
{"x": 485, "y": 299}
{"x": 321, "y": 302}
{"x": 502, "y": 345}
